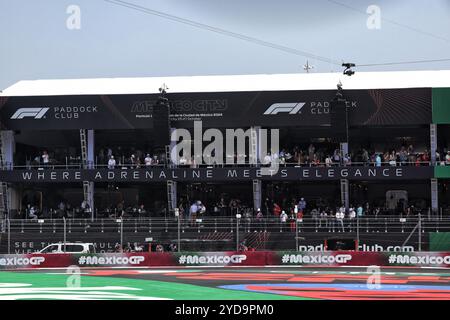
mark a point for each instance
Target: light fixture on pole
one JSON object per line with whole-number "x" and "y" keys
{"x": 348, "y": 71}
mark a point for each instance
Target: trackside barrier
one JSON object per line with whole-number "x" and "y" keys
{"x": 228, "y": 258}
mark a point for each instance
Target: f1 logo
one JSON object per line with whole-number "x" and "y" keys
{"x": 36, "y": 113}
{"x": 290, "y": 107}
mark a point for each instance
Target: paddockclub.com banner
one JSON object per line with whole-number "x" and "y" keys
{"x": 228, "y": 258}
{"x": 218, "y": 174}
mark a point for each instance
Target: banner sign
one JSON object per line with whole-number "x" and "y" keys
{"x": 218, "y": 174}
{"x": 228, "y": 258}
{"x": 274, "y": 109}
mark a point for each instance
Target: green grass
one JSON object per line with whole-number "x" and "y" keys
{"x": 148, "y": 288}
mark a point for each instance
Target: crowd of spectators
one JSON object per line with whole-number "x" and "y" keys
{"x": 311, "y": 155}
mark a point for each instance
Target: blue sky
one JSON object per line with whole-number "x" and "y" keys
{"x": 115, "y": 41}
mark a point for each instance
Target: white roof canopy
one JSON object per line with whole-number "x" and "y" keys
{"x": 230, "y": 83}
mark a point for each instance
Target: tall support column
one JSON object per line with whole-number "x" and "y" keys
{"x": 88, "y": 191}
{"x": 257, "y": 194}
{"x": 171, "y": 195}
{"x": 345, "y": 194}
{"x": 172, "y": 145}
{"x": 7, "y": 148}
{"x": 434, "y": 196}
{"x": 5, "y": 199}
{"x": 433, "y": 143}
{"x": 344, "y": 149}
{"x": 90, "y": 149}
{"x": 254, "y": 145}
{"x": 259, "y": 156}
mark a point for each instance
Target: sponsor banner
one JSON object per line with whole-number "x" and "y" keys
{"x": 30, "y": 261}
{"x": 420, "y": 259}
{"x": 230, "y": 258}
{"x": 222, "y": 259}
{"x": 216, "y": 109}
{"x": 111, "y": 260}
{"x": 219, "y": 174}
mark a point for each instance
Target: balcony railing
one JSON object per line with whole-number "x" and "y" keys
{"x": 92, "y": 165}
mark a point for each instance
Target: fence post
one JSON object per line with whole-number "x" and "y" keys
{"x": 357, "y": 231}
{"x": 9, "y": 235}
{"x": 237, "y": 231}
{"x": 64, "y": 222}
{"x": 420, "y": 233}
{"x": 177, "y": 214}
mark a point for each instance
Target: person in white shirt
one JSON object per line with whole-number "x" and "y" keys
{"x": 148, "y": 160}
{"x": 447, "y": 158}
{"x": 183, "y": 161}
{"x": 45, "y": 157}
{"x": 111, "y": 162}
{"x": 328, "y": 161}
{"x": 267, "y": 159}
{"x": 323, "y": 218}
{"x": 351, "y": 216}
{"x": 340, "y": 215}
{"x": 283, "y": 216}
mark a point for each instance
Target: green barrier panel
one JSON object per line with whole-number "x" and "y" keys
{"x": 439, "y": 241}
{"x": 441, "y": 105}
{"x": 442, "y": 172}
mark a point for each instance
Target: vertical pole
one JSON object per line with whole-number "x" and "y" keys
{"x": 64, "y": 221}
{"x": 179, "y": 234}
{"x": 237, "y": 234}
{"x": 357, "y": 231}
{"x": 121, "y": 233}
{"x": 420, "y": 233}
{"x": 433, "y": 143}
{"x": 9, "y": 236}
{"x": 296, "y": 234}
{"x": 434, "y": 198}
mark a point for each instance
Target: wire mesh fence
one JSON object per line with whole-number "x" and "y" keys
{"x": 215, "y": 233}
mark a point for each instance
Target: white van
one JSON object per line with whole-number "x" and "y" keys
{"x": 76, "y": 247}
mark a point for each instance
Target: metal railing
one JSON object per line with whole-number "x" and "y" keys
{"x": 214, "y": 232}
{"x": 92, "y": 165}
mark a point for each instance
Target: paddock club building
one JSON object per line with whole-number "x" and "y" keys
{"x": 81, "y": 117}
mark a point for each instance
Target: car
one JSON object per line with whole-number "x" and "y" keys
{"x": 69, "y": 247}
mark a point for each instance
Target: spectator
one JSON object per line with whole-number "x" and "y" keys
{"x": 323, "y": 218}
{"x": 328, "y": 161}
{"x": 148, "y": 160}
{"x": 340, "y": 215}
{"x": 45, "y": 158}
{"x": 283, "y": 217}
{"x": 259, "y": 219}
{"x": 365, "y": 157}
{"x": 267, "y": 159}
{"x": 337, "y": 156}
{"x": 315, "y": 216}
{"x": 351, "y": 216}
{"x": 378, "y": 161}
{"x": 32, "y": 214}
{"x": 111, "y": 163}
{"x": 302, "y": 204}
{"x": 359, "y": 211}
{"x": 447, "y": 158}
{"x": 276, "y": 210}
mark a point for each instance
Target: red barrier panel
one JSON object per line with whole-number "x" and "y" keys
{"x": 230, "y": 258}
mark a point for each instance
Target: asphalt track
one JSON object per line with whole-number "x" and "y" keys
{"x": 227, "y": 283}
